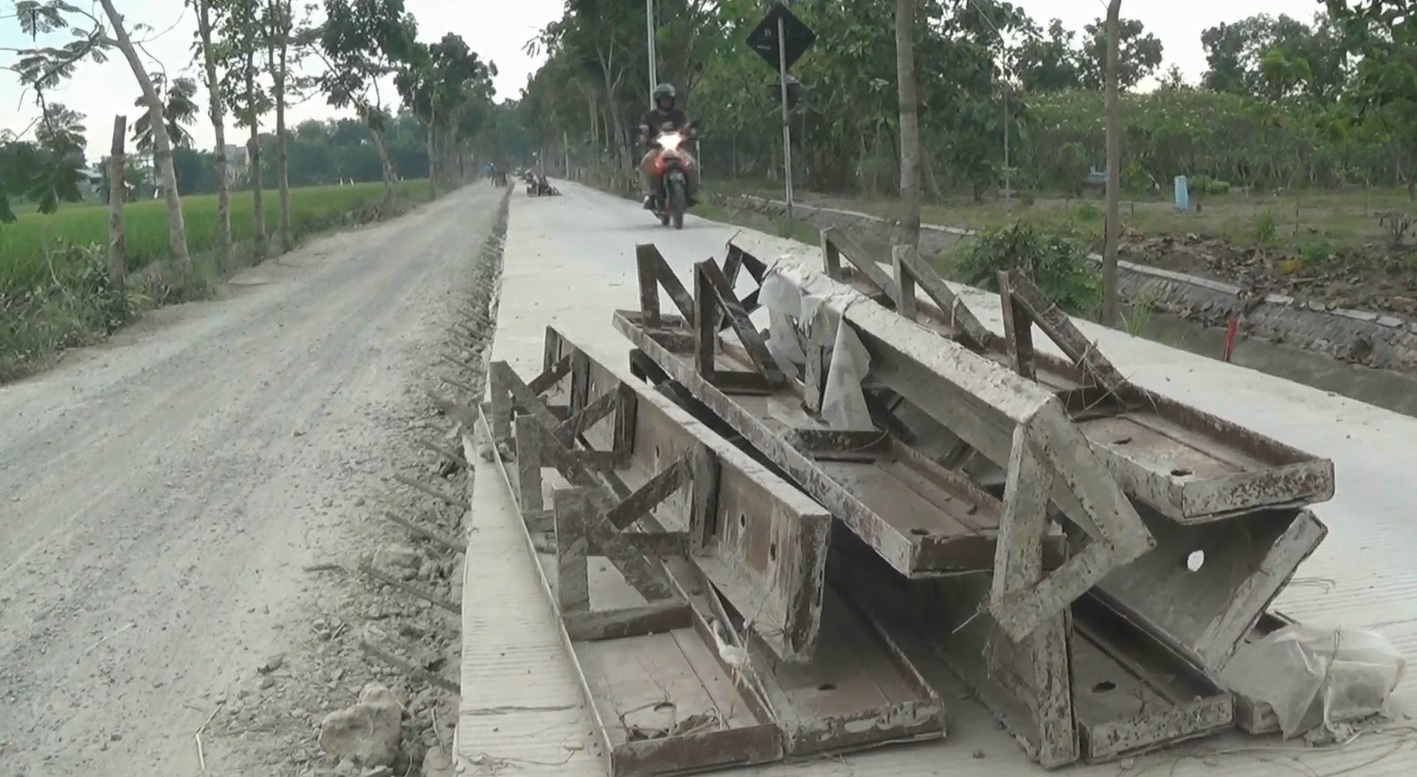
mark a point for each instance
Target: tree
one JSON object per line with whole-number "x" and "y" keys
{"x": 1276, "y": 57}
{"x": 162, "y": 144}
{"x": 1381, "y": 34}
{"x": 179, "y": 109}
{"x": 450, "y": 89}
{"x": 285, "y": 40}
{"x": 1048, "y": 61}
{"x": 239, "y": 33}
{"x": 1174, "y": 80}
{"x": 47, "y": 170}
{"x": 362, "y": 42}
{"x": 1115, "y": 34}
{"x": 210, "y": 56}
{"x": 909, "y": 96}
{"x": 1140, "y": 54}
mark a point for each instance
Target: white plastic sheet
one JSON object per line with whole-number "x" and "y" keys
{"x": 787, "y": 294}
{"x": 1315, "y": 677}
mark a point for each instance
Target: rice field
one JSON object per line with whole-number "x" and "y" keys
{"x": 25, "y": 244}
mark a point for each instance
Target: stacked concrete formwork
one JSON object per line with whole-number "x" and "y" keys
{"x": 1034, "y": 521}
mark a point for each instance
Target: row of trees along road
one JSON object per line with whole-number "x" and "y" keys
{"x": 1000, "y": 98}
{"x": 253, "y": 59}
{"x": 1284, "y": 102}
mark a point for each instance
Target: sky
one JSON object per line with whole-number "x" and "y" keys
{"x": 498, "y": 29}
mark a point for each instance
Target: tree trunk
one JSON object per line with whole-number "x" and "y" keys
{"x": 433, "y": 166}
{"x": 217, "y": 113}
{"x": 932, "y": 185}
{"x": 253, "y": 155}
{"x": 162, "y": 144}
{"x": 382, "y": 145}
{"x": 117, "y": 248}
{"x": 909, "y": 122}
{"x": 278, "y": 62}
{"x": 1110, "y": 302}
{"x": 258, "y": 201}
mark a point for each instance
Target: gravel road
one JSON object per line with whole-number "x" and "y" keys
{"x": 161, "y": 496}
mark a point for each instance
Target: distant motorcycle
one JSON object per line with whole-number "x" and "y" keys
{"x": 671, "y": 175}
{"x": 539, "y": 186}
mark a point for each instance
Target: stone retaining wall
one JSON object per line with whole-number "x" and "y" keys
{"x": 1372, "y": 339}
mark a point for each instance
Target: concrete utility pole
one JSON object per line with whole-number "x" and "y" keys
{"x": 1110, "y": 312}
{"x": 653, "y": 56}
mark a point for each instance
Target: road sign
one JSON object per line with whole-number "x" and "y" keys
{"x": 764, "y": 38}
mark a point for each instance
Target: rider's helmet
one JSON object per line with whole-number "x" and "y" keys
{"x": 662, "y": 92}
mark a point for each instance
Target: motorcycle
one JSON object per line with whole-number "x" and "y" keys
{"x": 671, "y": 175}
{"x": 540, "y": 186}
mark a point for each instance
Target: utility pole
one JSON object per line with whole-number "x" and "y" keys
{"x": 653, "y": 56}
{"x": 786, "y": 118}
{"x": 1110, "y": 312}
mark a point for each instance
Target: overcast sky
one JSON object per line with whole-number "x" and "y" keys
{"x": 497, "y": 30}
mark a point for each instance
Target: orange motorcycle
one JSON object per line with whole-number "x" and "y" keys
{"x": 671, "y": 175}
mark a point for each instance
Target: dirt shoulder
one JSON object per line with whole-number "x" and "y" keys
{"x": 181, "y": 505}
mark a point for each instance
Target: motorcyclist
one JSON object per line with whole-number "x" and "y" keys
{"x": 663, "y": 117}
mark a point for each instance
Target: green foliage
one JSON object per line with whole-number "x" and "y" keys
{"x": 1265, "y": 227}
{"x": 74, "y": 302}
{"x": 363, "y": 41}
{"x": 1205, "y": 135}
{"x": 26, "y": 246}
{"x": 1140, "y": 55}
{"x": 179, "y": 110}
{"x": 1055, "y": 258}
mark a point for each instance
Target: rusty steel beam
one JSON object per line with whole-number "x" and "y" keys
{"x": 1190, "y": 466}
{"x": 987, "y": 406}
{"x": 665, "y": 479}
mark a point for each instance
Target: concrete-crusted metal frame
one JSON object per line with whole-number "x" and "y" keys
{"x": 598, "y": 643}
{"x": 922, "y": 518}
{"x": 702, "y": 515}
{"x": 1190, "y": 466}
{"x": 756, "y": 538}
{"x": 652, "y": 463}
{"x": 988, "y": 406}
{"x": 1211, "y": 577}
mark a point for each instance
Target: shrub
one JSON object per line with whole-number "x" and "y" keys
{"x": 1055, "y": 257}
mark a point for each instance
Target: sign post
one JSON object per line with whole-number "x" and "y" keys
{"x": 781, "y": 39}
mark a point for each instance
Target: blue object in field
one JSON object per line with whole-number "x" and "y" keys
{"x": 1183, "y": 193}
